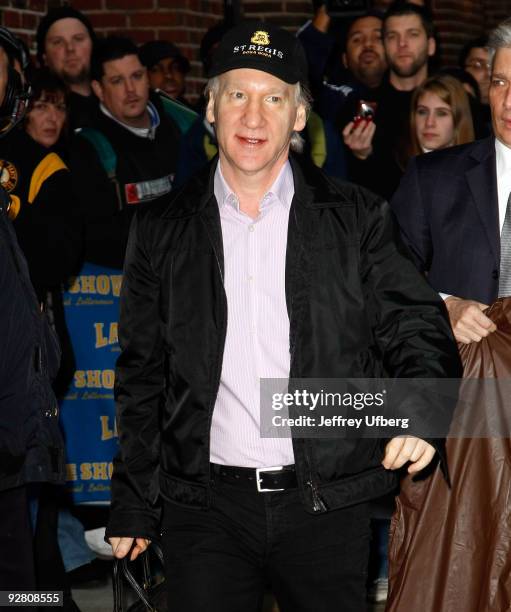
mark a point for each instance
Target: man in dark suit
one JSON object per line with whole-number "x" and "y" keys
{"x": 454, "y": 209}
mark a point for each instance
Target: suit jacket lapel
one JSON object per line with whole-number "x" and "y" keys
{"x": 482, "y": 180}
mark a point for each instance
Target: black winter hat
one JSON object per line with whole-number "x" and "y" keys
{"x": 152, "y": 52}
{"x": 262, "y": 46}
{"x": 53, "y": 15}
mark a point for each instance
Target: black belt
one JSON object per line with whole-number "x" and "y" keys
{"x": 264, "y": 479}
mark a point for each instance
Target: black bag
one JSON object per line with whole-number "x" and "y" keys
{"x": 151, "y": 593}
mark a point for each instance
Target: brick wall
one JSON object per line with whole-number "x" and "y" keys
{"x": 185, "y": 21}
{"x": 22, "y": 16}
{"x": 182, "y": 21}
{"x": 457, "y": 20}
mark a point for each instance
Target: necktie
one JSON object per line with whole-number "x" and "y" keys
{"x": 505, "y": 254}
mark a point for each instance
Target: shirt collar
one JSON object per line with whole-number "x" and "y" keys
{"x": 282, "y": 189}
{"x": 503, "y": 154}
{"x": 142, "y": 132}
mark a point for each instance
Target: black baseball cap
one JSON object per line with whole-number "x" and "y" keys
{"x": 261, "y": 46}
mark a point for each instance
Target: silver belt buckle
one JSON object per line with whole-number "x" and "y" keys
{"x": 258, "y": 479}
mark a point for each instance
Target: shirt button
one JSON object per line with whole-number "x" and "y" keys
{"x": 251, "y": 228}
{"x": 250, "y": 278}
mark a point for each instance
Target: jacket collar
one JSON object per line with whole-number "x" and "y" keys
{"x": 312, "y": 190}
{"x": 482, "y": 149}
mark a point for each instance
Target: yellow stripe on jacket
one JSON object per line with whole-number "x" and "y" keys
{"x": 44, "y": 169}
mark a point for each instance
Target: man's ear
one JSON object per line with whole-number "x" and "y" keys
{"x": 97, "y": 89}
{"x": 210, "y": 109}
{"x": 431, "y": 46}
{"x": 344, "y": 60}
{"x": 301, "y": 118}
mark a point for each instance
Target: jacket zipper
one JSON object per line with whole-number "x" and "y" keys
{"x": 317, "y": 503}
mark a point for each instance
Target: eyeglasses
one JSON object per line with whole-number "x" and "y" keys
{"x": 478, "y": 65}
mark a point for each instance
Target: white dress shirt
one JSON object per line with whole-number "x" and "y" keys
{"x": 257, "y": 340}
{"x": 503, "y": 155}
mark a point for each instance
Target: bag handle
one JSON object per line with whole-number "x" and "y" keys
{"x": 118, "y": 587}
{"x": 121, "y": 568}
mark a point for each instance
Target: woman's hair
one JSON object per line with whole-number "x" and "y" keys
{"x": 44, "y": 83}
{"x": 452, "y": 92}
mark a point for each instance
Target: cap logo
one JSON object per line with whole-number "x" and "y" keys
{"x": 260, "y": 38}
{"x": 260, "y": 46}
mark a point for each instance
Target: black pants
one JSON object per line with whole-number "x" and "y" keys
{"x": 16, "y": 542}
{"x": 222, "y": 559}
{"x": 49, "y": 566}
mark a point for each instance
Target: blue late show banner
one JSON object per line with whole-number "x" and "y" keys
{"x": 87, "y": 412}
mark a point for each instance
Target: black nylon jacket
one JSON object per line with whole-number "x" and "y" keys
{"x": 357, "y": 307}
{"x": 31, "y": 446}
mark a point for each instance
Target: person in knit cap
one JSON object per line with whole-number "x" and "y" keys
{"x": 65, "y": 39}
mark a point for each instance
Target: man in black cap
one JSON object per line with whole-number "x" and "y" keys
{"x": 261, "y": 268}
{"x": 65, "y": 39}
{"x": 167, "y": 68}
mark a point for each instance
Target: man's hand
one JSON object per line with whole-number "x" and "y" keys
{"x": 468, "y": 322}
{"x": 122, "y": 546}
{"x": 359, "y": 138}
{"x": 408, "y": 448}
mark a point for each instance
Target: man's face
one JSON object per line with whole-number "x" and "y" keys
{"x": 365, "y": 56}
{"x": 407, "y": 45}
{"x": 500, "y": 96}
{"x": 477, "y": 64}
{"x": 67, "y": 50}
{"x": 124, "y": 90}
{"x": 254, "y": 115}
{"x": 167, "y": 75}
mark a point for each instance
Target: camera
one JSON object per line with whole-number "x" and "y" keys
{"x": 365, "y": 110}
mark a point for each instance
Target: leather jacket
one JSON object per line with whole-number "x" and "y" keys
{"x": 357, "y": 308}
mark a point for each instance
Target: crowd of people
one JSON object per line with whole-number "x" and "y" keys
{"x": 109, "y": 139}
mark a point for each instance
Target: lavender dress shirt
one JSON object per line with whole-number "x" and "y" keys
{"x": 257, "y": 341}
